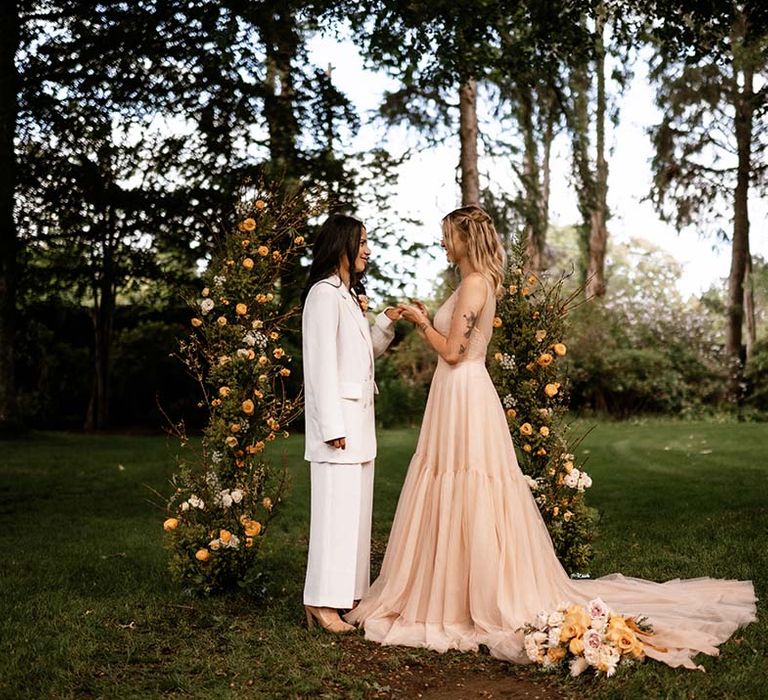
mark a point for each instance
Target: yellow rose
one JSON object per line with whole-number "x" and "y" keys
{"x": 258, "y": 394}
{"x": 250, "y": 354}
{"x": 511, "y": 412}
{"x": 540, "y": 335}
{"x": 576, "y": 646}
{"x": 569, "y": 630}
{"x": 224, "y": 391}
{"x": 567, "y": 516}
{"x": 245, "y": 242}
{"x": 248, "y": 542}
{"x": 637, "y": 651}
{"x": 299, "y": 240}
{"x": 248, "y": 264}
{"x": 205, "y": 291}
{"x": 170, "y": 524}
{"x": 263, "y": 360}
{"x": 568, "y": 466}
{"x": 278, "y": 353}
{"x": 556, "y": 510}
{"x": 545, "y": 359}
{"x": 285, "y": 372}
{"x": 552, "y": 389}
{"x": 216, "y": 402}
{"x": 274, "y": 335}
{"x": 252, "y": 528}
{"x": 526, "y": 429}
{"x": 544, "y": 430}
{"x": 527, "y": 448}
{"x": 498, "y": 357}
{"x": 526, "y": 291}
{"x": 202, "y": 555}
{"x": 277, "y": 256}
{"x": 267, "y": 503}
{"x": 231, "y": 441}
{"x": 225, "y": 536}
{"x": 263, "y": 251}
{"x": 560, "y": 349}
{"x": 555, "y": 654}
{"x": 270, "y": 296}
{"x": 260, "y": 204}
{"x": 241, "y": 309}
{"x": 221, "y": 320}
{"x": 259, "y": 446}
{"x": 261, "y": 298}
{"x": 247, "y": 225}
{"x": 512, "y": 288}
{"x": 215, "y": 545}
{"x": 541, "y": 452}
{"x": 271, "y": 437}
{"x": 257, "y": 324}
{"x": 535, "y": 314}
{"x": 497, "y": 322}
{"x": 196, "y": 322}
{"x": 247, "y": 407}
{"x": 235, "y": 428}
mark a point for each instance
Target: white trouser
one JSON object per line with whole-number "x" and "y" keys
{"x": 339, "y": 561}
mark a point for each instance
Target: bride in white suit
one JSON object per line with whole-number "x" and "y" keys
{"x": 339, "y": 347}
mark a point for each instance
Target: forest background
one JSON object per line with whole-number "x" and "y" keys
{"x": 129, "y": 133}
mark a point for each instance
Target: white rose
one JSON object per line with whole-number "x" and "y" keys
{"x": 532, "y": 650}
{"x": 207, "y": 305}
{"x": 599, "y": 624}
{"x": 532, "y": 483}
{"x": 584, "y": 481}
{"x": 578, "y": 665}
{"x": 241, "y": 352}
{"x": 539, "y": 637}
{"x": 597, "y": 608}
{"x": 237, "y": 495}
{"x": 226, "y": 499}
{"x": 592, "y": 640}
{"x": 609, "y": 656}
{"x": 555, "y": 619}
{"x": 249, "y": 339}
{"x": 234, "y": 541}
{"x": 571, "y": 479}
{"x": 554, "y": 637}
{"x": 541, "y": 619}
{"x": 185, "y": 506}
{"x": 591, "y": 656}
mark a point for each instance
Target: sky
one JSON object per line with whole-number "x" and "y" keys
{"x": 427, "y": 187}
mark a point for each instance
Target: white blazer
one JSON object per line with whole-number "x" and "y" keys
{"x": 339, "y": 347}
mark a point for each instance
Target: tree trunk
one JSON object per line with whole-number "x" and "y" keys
{"x": 9, "y": 84}
{"x": 598, "y": 234}
{"x": 749, "y": 308}
{"x": 470, "y": 178}
{"x": 534, "y": 233}
{"x": 102, "y": 315}
{"x": 744, "y": 104}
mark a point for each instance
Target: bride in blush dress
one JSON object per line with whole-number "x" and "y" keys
{"x": 469, "y": 559}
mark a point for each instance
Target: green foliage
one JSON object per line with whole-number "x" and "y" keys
{"x": 528, "y": 371}
{"x": 226, "y": 496}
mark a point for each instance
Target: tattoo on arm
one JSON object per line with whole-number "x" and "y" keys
{"x": 471, "y": 319}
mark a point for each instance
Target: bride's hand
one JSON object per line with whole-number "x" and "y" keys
{"x": 416, "y": 314}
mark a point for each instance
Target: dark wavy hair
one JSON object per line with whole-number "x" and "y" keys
{"x": 338, "y": 236}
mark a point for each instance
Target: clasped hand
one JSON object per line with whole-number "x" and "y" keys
{"x": 416, "y": 313}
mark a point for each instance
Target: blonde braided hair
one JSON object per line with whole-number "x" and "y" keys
{"x": 484, "y": 248}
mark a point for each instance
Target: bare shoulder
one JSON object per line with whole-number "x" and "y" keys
{"x": 474, "y": 285}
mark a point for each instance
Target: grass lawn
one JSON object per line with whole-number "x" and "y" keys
{"x": 89, "y": 610}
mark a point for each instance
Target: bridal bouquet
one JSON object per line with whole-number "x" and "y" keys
{"x": 583, "y": 637}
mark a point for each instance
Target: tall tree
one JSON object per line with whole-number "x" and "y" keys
{"x": 710, "y": 144}
{"x": 9, "y": 43}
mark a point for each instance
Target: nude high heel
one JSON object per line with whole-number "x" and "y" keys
{"x": 328, "y": 619}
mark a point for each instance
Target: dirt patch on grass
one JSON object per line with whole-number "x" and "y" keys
{"x": 420, "y": 674}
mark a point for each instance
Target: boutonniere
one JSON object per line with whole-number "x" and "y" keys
{"x": 362, "y": 300}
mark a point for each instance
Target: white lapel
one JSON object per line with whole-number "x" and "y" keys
{"x": 349, "y": 302}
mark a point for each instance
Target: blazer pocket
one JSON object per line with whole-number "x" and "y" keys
{"x": 351, "y": 390}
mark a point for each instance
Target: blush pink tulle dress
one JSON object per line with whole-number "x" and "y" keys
{"x": 470, "y": 560}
